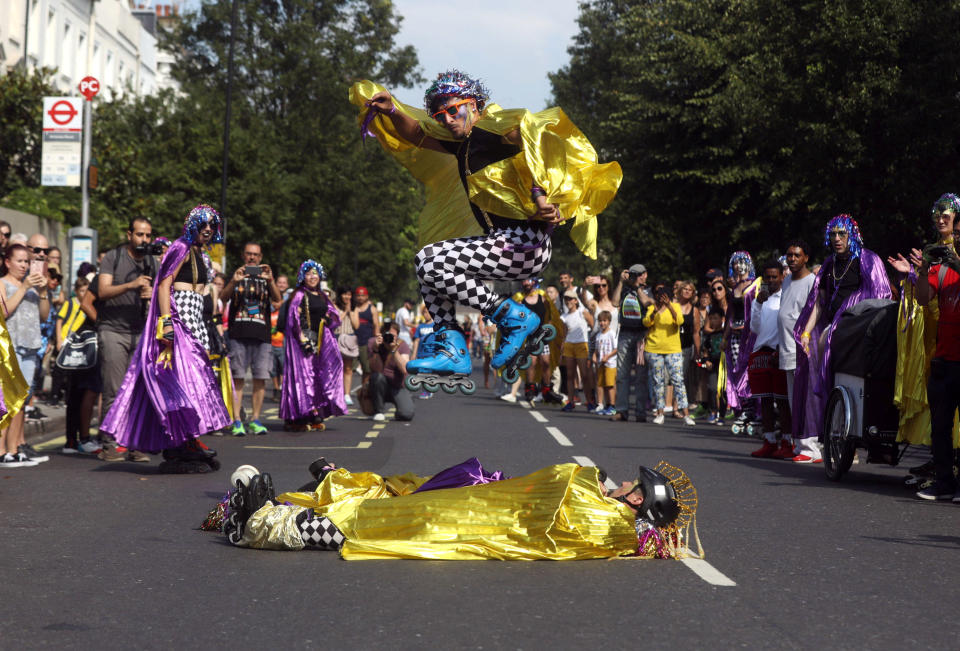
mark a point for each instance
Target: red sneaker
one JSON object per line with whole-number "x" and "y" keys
{"x": 766, "y": 451}
{"x": 785, "y": 451}
{"x": 803, "y": 458}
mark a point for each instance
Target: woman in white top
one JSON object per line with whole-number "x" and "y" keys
{"x": 603, "y": 300}
{"x": 576, "y": 355}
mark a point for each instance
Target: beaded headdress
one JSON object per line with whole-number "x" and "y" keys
{"x": 849, "y": 224}
{"x": 201, "y": 215}
{"x": 307, "y": 267}
{"x": 454, "y": 83}
{"x": 738, "y": 258}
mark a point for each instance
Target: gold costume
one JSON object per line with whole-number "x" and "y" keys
{"x": 556, "y": 156}
{"x": 557, "y": 513}
{"x": 916, "y": 343}
{"x": 12, "y": 382}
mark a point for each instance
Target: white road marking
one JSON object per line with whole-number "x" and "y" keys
{"x": 372, "y": 434}
{"x": 558, "y": 435}
{"x": 362, "y": 445}
{"x": 708, "y": 572}
{"x": 587, "y": 461}
{"x": 540, "y": 418}
{"x": 524, "y": 404}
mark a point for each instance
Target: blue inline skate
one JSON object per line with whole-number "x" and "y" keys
{"x": 522, "y": 334}
{"x": 443, "y": 362}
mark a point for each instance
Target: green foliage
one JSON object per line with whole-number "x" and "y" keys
{"x": 743, "y": 123}
{"x": 21, "y": 128}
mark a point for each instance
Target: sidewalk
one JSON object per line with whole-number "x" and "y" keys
{"x": 52, "y": 425}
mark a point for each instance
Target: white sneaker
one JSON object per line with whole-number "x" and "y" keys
{"x": 379, "y": 417}
{"x": 16, "y": 461}
{"x": 68, "y": 450}
{"x": 689, "y": 420}
{"x": 508, "y": 397}
{"x": 88, "y": 447}
{"x": 347, "y": 399}
{"x": 658, "y": 420}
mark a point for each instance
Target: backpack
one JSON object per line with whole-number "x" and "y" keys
{"x": 632, "y": 311}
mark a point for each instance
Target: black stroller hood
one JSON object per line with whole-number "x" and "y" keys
{"x": 864, "y": 342}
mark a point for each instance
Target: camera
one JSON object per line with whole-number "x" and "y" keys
{"x": 388, "y": 338}
{"x": 151, "y": 248}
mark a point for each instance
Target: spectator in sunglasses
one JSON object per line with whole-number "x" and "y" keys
{"x": 5, "y": 233}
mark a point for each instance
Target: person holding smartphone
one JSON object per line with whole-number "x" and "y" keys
{"x": 25, "y": 303}
{"x": 388, "y": 355}
{"x": 250, "y": 292}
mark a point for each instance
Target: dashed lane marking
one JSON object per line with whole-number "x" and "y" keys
{"x": 587, "y": 461}
{"x": 372, "y": 434}
{"x": 708, "y": 572}
{"x": 380, "y": 426}
{"x": 525, "y": 404}
{"x": 560, "y": 438}
{"x": 361, "y": 445}
{"x": 537, "y": 416}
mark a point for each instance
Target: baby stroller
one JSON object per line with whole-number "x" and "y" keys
{"x": 860, "y": 412}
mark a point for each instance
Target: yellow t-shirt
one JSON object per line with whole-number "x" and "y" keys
{"x": 71, "y": 316}
{"x": 664, "y": 334}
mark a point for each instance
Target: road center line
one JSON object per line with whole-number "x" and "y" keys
{"x": 708, "y": 572}
{"x": 540, "y": 418}
{"x": 362, "y": 445}
{"x": 587, "y": 461}
{"x": 558, "y": 435}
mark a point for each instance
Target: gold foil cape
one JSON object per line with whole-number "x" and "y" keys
{"x": 15, "y": 387}
{"x": 557, "y": 513}
{"x": 916, "y": 343}
{"x": 556, "y": 156}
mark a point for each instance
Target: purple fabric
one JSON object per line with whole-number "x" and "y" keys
{"x": 3, "y": 404}
{"x": 468, "y": 473}
{"x": 157, "y": 408}
{"x": 813, "y": 380}
{"x": 738, "y": 386}
{"x": 312, "y": 385}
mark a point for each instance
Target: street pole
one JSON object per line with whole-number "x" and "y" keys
{"x": 226, "y": 134}
{"x": 85, "y": 167}
{"x": 26, "y": 34}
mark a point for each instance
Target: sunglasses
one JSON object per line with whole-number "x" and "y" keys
{"x": 718, "y": 288}
{"x": 601, "y": 285}
{"x": 450, "y": 110}
{"x": 5, "y": 233}
{"x": 38, "y": 250}
{"x": 838, "y": 233}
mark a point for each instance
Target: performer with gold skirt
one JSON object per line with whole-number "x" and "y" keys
{"x": 521, "y": 174}
{"x": 13, "y": 387}
{"x": 561, "y": 512}
{"x": 917, "y": 335}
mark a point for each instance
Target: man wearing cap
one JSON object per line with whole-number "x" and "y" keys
{"x": 634, "y": 300}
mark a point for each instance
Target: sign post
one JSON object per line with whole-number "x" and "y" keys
{"x": 89, "y": 87}
{"x": 62, "y": 127}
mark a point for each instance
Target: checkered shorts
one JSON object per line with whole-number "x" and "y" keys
{"x": 452, "y": 271}
{"x": 319, "y": 533}
{"x": 190, "y": 310}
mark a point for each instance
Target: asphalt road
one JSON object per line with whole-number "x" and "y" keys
{"x": 99, "y": 555}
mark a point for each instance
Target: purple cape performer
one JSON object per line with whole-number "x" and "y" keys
{"x": 813, "y": 379}
{"x": 467, "y": 473}
{"x": 159, "y": 408}
{"x": 738, "y": 387}
{"x": 312, "y": 384}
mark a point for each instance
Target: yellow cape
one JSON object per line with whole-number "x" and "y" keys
{"x": 15, "y": 387}
{"x": 557, "y": 513}
{"x": 556, "y": 156}
{"x": 916, "y": 343}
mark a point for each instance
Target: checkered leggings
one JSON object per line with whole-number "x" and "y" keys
{"x": 190, "y": 310}
{"x": 451, "y": 271}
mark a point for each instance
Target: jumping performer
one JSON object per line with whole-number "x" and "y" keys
{"x": 313, "y": 369}
{"x": 564, "y": 512}
{"x": 521, "y": 174}
{"x": 170, "y": 396}
{"x": 848, "y": 275}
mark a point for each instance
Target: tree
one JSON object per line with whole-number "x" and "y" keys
{"x": 740, "y": 124}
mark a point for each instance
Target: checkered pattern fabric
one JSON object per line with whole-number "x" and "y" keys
{"x": 190, "y": 310}
{"x": 452, "y": 271}
{"x": 319, "y": 533}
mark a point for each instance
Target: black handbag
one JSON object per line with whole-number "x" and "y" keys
{"x": 79, "y": 351}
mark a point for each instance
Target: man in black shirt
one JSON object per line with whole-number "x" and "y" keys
{"x": 123, "y": 289}
{"x": 634, "y": 300}
{"x": 250, "y": 292}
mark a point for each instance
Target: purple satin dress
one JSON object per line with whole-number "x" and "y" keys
{"x": 312, "y": 384}
{"x": 158, "y": 408}
{"x": 813, "y": 380}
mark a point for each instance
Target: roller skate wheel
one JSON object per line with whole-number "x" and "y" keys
{"x": 736, "y": 428}
{"x": 412, "y": 382}
{"x": 549, "y": 332}
{"x": 235, "y": 501}
{"x": 243, "y": 474}
{"x": 469, "y": 388}
{"x": 510, "y": 376}
{"x": 449, "y": 388}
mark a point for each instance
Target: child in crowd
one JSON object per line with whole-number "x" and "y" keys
{"x": 710, "y": 352}
{"x": 605, "y": 357}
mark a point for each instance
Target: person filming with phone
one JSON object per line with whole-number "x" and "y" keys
{"x": 250, "y": 292}
{"x": 124, "y": 289}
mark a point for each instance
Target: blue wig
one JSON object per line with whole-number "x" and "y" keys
{"x": 849, "y": 224}
{"x": 200, "y": 215}
{"x": 741, "y": 256}
{"x": 948, "y": 202}
{"x": 307, "y": 267}
{"x": 453, "y": 83}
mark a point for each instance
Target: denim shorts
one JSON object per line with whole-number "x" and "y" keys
{"x": 27, "y": 358}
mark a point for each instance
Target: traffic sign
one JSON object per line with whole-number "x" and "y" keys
{"x": 62, "y": 128}
{"x": 89, "y": 86}
{"x": 62, "y": 114}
